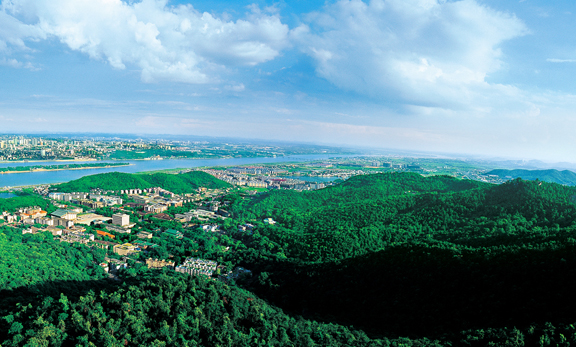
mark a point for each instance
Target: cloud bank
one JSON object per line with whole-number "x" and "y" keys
{"x": 175, "y": 43}
{"x": 423, "y": 52}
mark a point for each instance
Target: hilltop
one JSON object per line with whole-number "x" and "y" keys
{"x": 176, "y": 183}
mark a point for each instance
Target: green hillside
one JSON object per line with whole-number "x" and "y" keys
{"x": 180, "y": 183}
{"x": 23, "y": 200}
{"x": 363, "y": 214}
{"x": 564, "y": 177}
{"x": 35, "y": 259}
{"x": 435, "y": 261}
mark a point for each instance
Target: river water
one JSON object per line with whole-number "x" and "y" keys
{"x": 49, "y": 177}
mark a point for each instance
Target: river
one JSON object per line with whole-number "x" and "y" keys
{"x": 49, "y": 177}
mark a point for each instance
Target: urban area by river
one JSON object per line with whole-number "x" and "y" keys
{"x": 50, "y": 177}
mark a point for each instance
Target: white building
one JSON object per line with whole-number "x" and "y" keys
{"x": 120, "y": 219}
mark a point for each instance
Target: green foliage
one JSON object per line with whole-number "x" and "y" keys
{"x": 181, "y": 183}
{"x": 34, "y": 259}
{"x": 23, "y": 200}
{"x": 358, "y": 216}
{"x": 170, "y": 309}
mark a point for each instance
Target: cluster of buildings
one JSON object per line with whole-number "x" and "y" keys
{"x": 255, "y": 177}
{"x": 28, "y": 148}
{"x": 155, "y": 200}
{"x": 151, "y": 200}
{"x": 64, "y": 221}
{"x": 214, "y": 210}
{"x": 27, "y": 215}
{"x": 21, "y": 147}
{"x": 197, "y": 266}
{"x": 88, "y": 200}
{"x": 256, "y": 170}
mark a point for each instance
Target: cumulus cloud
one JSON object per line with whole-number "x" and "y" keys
{"x": 13, "y": 35}
{"x": 175, "y": 43}
{"x": 423, "y": 52}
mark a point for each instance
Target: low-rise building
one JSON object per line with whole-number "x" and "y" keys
{"x": 55, "y": 231}
{"x": 158, "y": 264}
{"x": 156, "y": 208}
{"x": 44, "y": 220}
{"x": 126, "y": 249}
{"x": 210, "y": 227}
{"x": 163, "y": 216}
{"x": 145, "y": 235}
{"x": 118, "y": 229}
{"x": 91, "y": 218}
{"x": 197, "y": 266}
{"x": 103, "y": 244}
{"x": 64, "y": 214}
{"x": 75, "y": 237}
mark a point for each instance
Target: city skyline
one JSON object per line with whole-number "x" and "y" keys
{"x": 476, "y": 77}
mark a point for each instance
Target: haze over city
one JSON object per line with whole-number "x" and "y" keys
{"x": 478, "y": 77}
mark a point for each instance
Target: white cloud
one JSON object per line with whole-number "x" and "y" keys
{"x": 164, "y": 42}
{"x": 553, "y": 60}
{"x": 13, "y": 35}
{"x": 428, "y": 52}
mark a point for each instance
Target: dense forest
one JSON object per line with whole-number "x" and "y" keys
{"x": 405, "y": 255}
{"x": 38, "y": 259}
{"x": 176, "y": 183}
{"x": 170, "y": 309}
{"x": 394, "y": 259}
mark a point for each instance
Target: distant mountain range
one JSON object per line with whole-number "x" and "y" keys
{"x": 565, "y": 177}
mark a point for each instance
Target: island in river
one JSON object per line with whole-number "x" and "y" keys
{"x": 22, "y": 169}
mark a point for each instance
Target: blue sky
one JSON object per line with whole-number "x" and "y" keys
{"x": 479, "y": 77}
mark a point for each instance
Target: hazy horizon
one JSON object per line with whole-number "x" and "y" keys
{"x": 482, "y": 78}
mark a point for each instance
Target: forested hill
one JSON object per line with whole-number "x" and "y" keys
{"x": 564, "y": 177}
{"x": 469, "y": 261}
{"x": 366, "y": 188}
{"x": 176, "y": 183}
{"x": 344, "y": 221}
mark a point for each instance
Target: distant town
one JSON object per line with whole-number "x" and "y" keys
{"x": 34, "y": 148}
